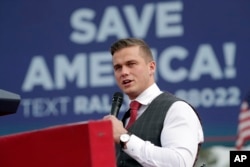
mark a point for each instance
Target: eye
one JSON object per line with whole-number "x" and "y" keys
{"x": 117, "y": 68}
{"x": 131, "y": 63}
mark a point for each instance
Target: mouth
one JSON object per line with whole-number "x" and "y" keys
{"x": 126, "y": 82}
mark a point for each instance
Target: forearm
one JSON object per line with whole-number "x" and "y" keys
{"x": 149, "y": 155}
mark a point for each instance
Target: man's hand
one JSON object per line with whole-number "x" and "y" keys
{"x": 117, "y": 127}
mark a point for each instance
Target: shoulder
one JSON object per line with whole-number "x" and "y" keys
{"x": 182, "y": 110}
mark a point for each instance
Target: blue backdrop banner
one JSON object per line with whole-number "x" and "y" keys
{"x": 55, "y": 54}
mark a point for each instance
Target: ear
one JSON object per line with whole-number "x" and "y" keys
{"x": 152, "y": 67}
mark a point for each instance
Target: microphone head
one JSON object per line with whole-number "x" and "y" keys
{"x": 118, "y": 96}
{"x": 116, "y": 103}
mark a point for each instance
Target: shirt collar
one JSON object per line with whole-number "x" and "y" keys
{"x": 148, "y": 95}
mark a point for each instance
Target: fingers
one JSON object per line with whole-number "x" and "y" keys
{"x": 109, "y": 117}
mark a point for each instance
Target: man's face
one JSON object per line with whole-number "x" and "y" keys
{"x": 132, "y": 72}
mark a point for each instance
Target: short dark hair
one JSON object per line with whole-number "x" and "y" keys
{"x": 128, "y": 42}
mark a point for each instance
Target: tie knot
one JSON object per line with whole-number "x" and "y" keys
{"x": 135, "y": 105}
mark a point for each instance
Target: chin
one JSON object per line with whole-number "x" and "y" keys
{"x": 131, "y": 94}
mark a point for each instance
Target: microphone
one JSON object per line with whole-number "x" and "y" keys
{"x": 116, "y": 103}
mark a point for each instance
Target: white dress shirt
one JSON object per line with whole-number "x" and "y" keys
{"x": 180, "y": 136}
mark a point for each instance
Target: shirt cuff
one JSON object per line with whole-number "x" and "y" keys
{"x": 134, "y": 145}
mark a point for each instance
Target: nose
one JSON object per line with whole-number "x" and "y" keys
{"x": 124, "y": 71}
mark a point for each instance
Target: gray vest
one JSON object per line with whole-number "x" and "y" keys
{"x": 148, "y": 126}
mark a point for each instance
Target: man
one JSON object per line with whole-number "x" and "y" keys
{"x": 167, "y": 131}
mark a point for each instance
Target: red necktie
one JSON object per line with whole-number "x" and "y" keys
{"x": 134, "y": 106}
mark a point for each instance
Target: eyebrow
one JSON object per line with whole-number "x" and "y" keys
{"x": 116, "y": 65}
{"x": 127, "y": 62}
